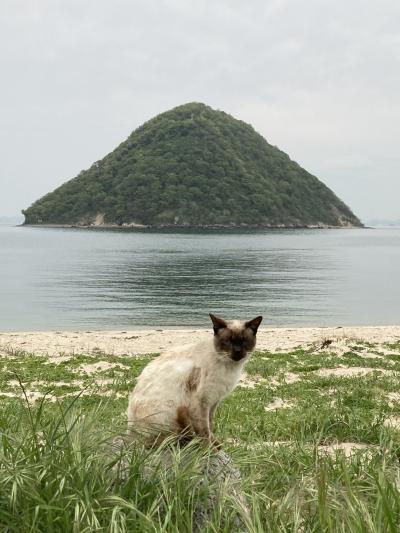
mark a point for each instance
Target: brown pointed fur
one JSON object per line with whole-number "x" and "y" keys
{"x": 179, "y": 391}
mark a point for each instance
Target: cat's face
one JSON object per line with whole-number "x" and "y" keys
{"x": 235, "y": 338}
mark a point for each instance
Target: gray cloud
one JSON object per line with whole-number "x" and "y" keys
{"x": 319, "y": 79}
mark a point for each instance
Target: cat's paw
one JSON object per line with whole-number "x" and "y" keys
{"x": 215, "y": 443}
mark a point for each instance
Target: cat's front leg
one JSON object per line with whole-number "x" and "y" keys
{"x": 211, "y": 415}
{"x": 213, "y": 439}
{"x": 199, "y": 413}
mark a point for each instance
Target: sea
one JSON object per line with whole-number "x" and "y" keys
{"x": 82, "y": 279}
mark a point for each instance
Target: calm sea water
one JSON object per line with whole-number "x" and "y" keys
{"x": 82, "y": 279}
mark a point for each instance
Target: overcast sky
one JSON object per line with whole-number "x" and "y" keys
{"x": 319, "y": 79}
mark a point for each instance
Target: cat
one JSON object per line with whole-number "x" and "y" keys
{"x": 178, "y": 392}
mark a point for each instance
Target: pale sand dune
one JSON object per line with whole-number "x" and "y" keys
{"x": 136, "y": 342}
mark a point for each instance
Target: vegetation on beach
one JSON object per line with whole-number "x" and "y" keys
{"x": 193, "y": 166}
{"x": 287, "y": 427}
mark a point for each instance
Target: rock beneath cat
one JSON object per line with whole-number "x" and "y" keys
{"x": 226, "y": 480}
{"x": 216, "y": 475}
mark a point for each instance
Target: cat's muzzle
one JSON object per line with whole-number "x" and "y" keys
{"x": 237, "y": 356}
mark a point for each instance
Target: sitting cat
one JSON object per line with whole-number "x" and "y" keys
{"x": 178, "y": 392}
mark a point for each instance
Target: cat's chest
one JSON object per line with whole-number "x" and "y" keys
{"x": 219, "y": 382}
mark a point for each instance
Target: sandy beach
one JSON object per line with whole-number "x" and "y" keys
{"x": 137, "y": 342}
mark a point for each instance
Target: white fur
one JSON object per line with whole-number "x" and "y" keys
{"x": 162, "y": 386}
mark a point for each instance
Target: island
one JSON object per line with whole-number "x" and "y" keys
{"x": 193, "y": 166}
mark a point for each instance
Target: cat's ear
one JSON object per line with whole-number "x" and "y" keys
{"x": 253, "y": 324}
{"x": 218, "y": 323}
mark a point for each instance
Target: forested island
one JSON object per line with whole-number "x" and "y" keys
{"x": 193, "y": 166}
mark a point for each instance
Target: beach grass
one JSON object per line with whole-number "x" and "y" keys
{"x": 315, "y": 433}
